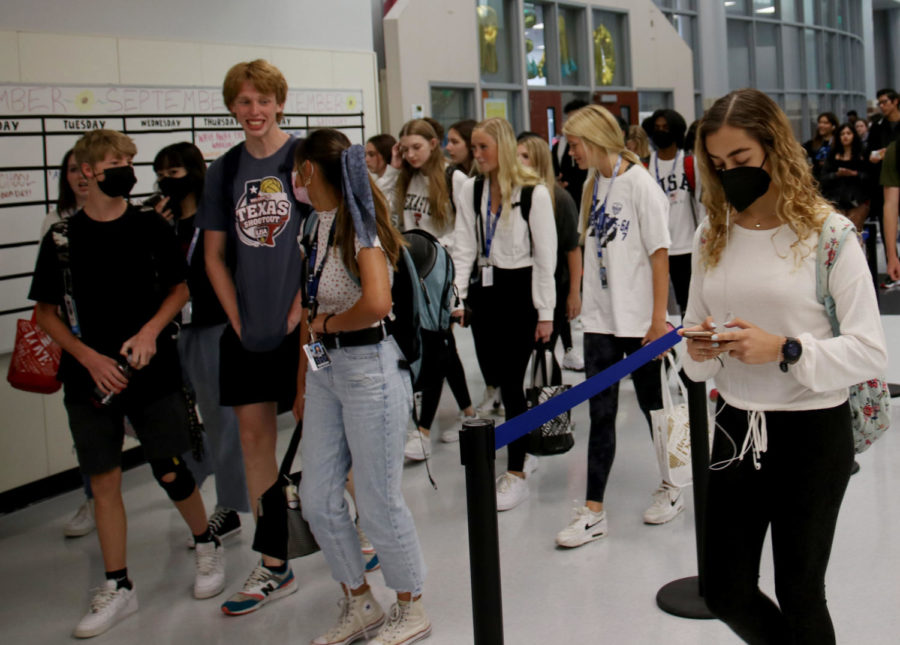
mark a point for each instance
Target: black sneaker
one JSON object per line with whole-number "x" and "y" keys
{"x": 223, "y": 523}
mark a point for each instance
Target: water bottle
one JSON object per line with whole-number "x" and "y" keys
{"x": 104, "y": 400}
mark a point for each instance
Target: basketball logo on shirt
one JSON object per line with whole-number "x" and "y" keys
{"x": 262, "y": 212}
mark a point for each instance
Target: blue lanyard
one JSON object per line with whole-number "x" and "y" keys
{"x": 193, "y": 246}
{"x": 315, "y": 275}
{"x": 490, "y": 229}
{"x": 598, "y": 215}
{"x": 656, "y": 167}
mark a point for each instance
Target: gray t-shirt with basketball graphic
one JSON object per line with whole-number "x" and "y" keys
{"x": 263, "y": 224}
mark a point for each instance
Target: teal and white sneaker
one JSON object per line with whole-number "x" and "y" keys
{"x": 262, "y": 586}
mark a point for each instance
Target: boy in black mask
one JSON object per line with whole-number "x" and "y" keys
{"x": 673, "y": 170}
{"x": 119, "y": 279}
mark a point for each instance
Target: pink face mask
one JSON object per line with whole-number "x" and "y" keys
{"x": 301, "y": 194}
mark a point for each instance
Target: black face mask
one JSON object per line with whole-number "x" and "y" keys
{"x": 744, "y": 185}
{"x": 176, "y": 188}
{"x": 662, "y": 139}
{"x": 118, "y": 181}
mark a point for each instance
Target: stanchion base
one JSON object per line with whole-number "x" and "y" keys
{"x": 894, "y": 389}
{"x": 682, "y": 598}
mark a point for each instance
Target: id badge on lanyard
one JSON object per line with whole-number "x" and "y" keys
{"x": 487, "y": 272}
{"x": 315, "y": 350}
{"x": 598, "y": 221}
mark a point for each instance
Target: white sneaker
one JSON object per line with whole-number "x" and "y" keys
{"x": 511, "y": 491}
{"x": 408, "y": 623}
{"x": 209, "y": 575}
{"x": 418, "y": 446}
{"x": 586, "y": 526}
{"x": 667, "y": 503}
{"x": 82, "y": 522}
{"x": 109, "y": 605}
{"x": 359, "y": 616}
{"x": 486, "y": 406}
{"x": 572, "y": 361}
{"x": 531, "y": 465}
{"x": 364, "y": 542}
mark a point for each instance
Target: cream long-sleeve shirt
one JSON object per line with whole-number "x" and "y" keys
{"x": 759, "y": 280}
{"x": 511, "y": 246}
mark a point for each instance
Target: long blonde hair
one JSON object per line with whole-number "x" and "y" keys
{"x": 510, "y": 172}
{"x": 799, "y": 203}
{"x": 598, "y": 129}
{"x": 432, "y": 170}
{"x": 541, "y": 161}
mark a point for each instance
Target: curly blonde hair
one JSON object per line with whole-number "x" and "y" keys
{"x": 799, "y": 203}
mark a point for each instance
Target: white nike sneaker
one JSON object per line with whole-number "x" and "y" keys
{"x": 667, "y": 503}
{"x": 418, "y": 446}
{"x": 586, "y": 526}
{"x": 109, "y": 605}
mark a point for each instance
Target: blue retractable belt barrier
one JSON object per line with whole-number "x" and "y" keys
{"x": 524, "y": 423}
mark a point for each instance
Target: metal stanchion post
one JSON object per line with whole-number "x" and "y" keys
{"x": 684, "y": 597}
{"x": 477, "y": 452}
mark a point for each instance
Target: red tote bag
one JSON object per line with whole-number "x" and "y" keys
{"x": 35, "y": 359}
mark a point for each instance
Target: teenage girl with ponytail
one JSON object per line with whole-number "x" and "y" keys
{"x": 425, "y": 198}
{"x": 624, "y": 227}
{"x": 355, "y": 399}
{"x": 505, "y": 268}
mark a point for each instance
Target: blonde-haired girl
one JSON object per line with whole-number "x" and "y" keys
{"x": 504, "y": 268}
{"x": 534, "y": 152}
{"x": 781, "y": 373}
{"x": 624, "y": 225}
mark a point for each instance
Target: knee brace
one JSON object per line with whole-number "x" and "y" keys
{"x": 180, "y": 488}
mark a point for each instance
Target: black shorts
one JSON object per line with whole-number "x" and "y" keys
{"x": 162, "y": 427}
{"x": 258, "y": 377}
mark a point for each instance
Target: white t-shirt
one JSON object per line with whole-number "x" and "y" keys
{"x": 417, "y": 208}
{"x": 685, "y": 210}
{"x": 338, "y": 291}
{"x": 637, "y": 216}
{"x": 759, "y": 280}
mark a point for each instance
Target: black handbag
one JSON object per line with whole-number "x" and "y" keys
{"x": 555, "y": 436}
{"x": 281, "y": 531}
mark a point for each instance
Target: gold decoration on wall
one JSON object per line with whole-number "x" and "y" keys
{"x": 488, "y": 30}
{"x": 604, "y": 56}
{"x": 568, "y": 66}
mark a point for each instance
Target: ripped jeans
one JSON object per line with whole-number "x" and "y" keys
{"x": 356, "y": 414}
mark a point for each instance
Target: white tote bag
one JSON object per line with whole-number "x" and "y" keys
{"x": 671, "y": 430}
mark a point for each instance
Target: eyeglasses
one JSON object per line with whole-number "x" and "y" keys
{"x": 884, "y": 101}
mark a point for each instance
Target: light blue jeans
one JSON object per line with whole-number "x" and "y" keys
{"x": 356, "y": 413}
{"x": 198, "y": 349}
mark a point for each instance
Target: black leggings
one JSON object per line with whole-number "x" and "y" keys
{"x": 503, "y": 324}
{"x": 680, "y": 273}
{"x": 445, "y": 365}
{"x": 602, "y": 351}
{"x": 797, "y": 491}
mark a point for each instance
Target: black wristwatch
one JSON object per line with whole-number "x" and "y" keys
{"x": 790, "y": 353}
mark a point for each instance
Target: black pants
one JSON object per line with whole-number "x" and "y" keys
{"x": 680, "y": 273}
{"x": 443, "y": 364}
{"x": 602, "y": 351}
{"x": 797, "y": 491}
{"x": 561, "y": 327}
{"x": 503, "y": 324}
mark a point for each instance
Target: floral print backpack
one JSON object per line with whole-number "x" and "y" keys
{"x": 870, "y": 400}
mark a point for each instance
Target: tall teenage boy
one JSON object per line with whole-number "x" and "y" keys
{"x": 126, "y": 282}
{"x": 251, "y": 223}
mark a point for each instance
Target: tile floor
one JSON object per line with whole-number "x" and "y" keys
{"x": 603, "y": 592}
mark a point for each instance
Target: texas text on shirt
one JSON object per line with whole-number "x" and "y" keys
{"x": 685, "y": 209}
{"x": 417, "y": 208}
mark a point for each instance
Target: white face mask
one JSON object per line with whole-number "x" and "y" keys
{"x": 301, "y": 194}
